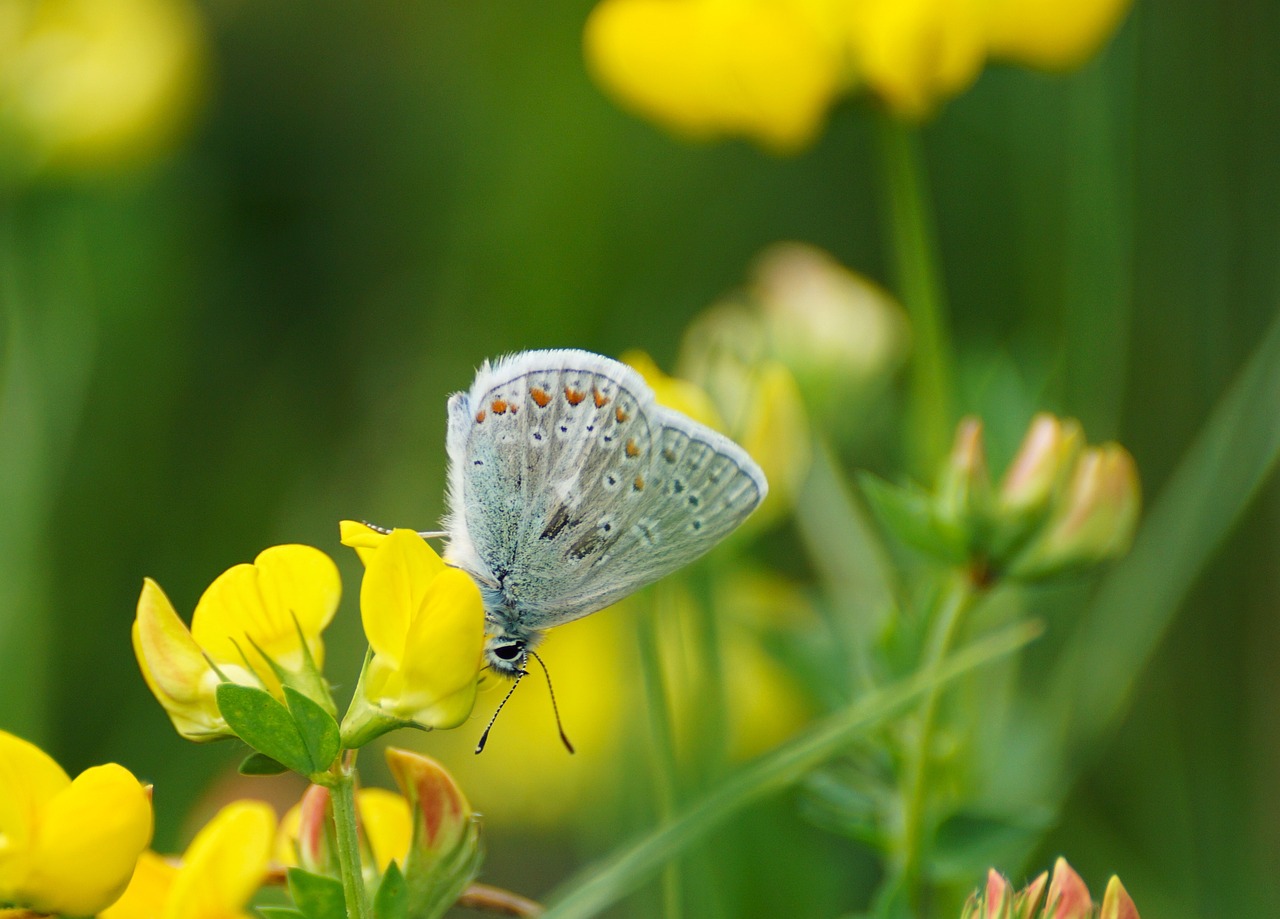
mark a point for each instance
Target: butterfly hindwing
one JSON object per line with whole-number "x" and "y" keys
{"x": 570, "y": 487}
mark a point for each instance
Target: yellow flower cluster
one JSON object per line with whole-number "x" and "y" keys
{"x": 771, "y": 69}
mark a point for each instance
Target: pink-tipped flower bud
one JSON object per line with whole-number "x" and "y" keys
{"x": 1116, "y": 903}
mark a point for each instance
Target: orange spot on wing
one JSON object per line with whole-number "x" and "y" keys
{"x": 480, "y": 416}
{"x": 540, "y": 396}
{"x": 639, "y": 484}
{"x": 601, "y": 399}
{"x": 573, "y": 395}
{"x": 632, "y": 449}
{"x": 620, "y": 414}
{"x": 499, "y": 406}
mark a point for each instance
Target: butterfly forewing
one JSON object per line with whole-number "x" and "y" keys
{"x": 570, "y": 487}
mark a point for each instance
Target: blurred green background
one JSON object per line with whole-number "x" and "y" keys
{"x": 253, "y": 337}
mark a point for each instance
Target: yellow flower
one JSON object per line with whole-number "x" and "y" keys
{"x": 715, "y": 68}
{"x": 222, "y": 869}
{"x": 1051, "y": 34}
{"x": 770, "y": 69}
{"x": 425, "y": 625}
{"x": 276, "y": 607}
{"x": 88, "y": 84}
{"x": 67, "y": 846}
{"x": 912, "y": 53}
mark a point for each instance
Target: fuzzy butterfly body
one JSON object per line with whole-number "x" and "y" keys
{"x": 570, "y": 487}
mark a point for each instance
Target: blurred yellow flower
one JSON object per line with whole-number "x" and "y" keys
{"x": 912, "y": 53}
{"x": 1051, "y": 34}
{"x": 277, "y": 607}
{"x": 222, "y": 869}
{"x": 770, "y": 70}
{"x": 425, "y": 625}
{"x": 67, "y": 846}
{"x": 96, "y": 84}
{"x": 715, "y": 68}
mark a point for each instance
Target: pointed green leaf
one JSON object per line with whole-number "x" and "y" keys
{"x": 261, "y": 764}
{"x": 392, "y": 899}
{"x": 317, "y": 727}
{"x": 317, "y": 896}
{"x": 264, "y": 724}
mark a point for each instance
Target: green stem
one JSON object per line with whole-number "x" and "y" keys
{"x": 343, "y": 793}
{"x": 919, "y": 284}
{"x": 956, "y": 601}
{"x": 600, "y": 885}
{"x": 662, "y": 747}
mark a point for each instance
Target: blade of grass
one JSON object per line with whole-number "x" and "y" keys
{"x": 603, "y": 884}
{"x": 1208, "y": 492}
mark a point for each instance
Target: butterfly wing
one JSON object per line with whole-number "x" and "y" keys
{"x": 571, "y": 488}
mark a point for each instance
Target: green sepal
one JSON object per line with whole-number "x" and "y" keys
{"x": 261, "y": 764}
{"x": 317, "y": 896}
{"x": 318, "y": 729}
{"x": 392, "y": 898}
{"x": 910, "y": 515}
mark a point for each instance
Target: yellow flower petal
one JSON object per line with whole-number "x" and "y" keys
{"x": 30, "y": 779}
{"x": 258, "y": 604}
{"x": 915, "y": 53}
{"x": 148, "y": 891}
{"x": 394, "y": 588}
{"x": 443, "y": 651}
{"x": 90, "y": 838}
{"x": 1052, "y": 34}
{"x": 388, "y": 825}
{"x": 225, "y": 863}
{"x": 175, "y": 668}
{"x": 361, "y": 537}
{"x": 707, "y": 69}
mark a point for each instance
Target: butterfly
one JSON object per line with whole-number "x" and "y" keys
{"x": 570, "y": 487}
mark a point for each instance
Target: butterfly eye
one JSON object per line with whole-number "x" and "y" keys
{"x": 508, "y": 652}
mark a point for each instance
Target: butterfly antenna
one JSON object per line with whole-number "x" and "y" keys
{"x": 485, "y": 736}
{"x": 554, "y": 708}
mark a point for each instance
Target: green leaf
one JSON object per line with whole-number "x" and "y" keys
{"x": 392, "y": 898}
{"x": 266, "y": 725}
{"x": 317, "y": 896}
{"x": 317, "y": 727}
{"x": 261, "y": 764}
{"x": 1213, "y": 484}
{"x": 598, "y": 886}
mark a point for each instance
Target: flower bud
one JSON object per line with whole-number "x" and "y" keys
{"x": 305, "y": 837}
{"x": 964, "y": 487}
{"x": 1068, "y": 895}
{"x": 1093, "y": 521}
{"x": 1041, "y": 466}
{"x": 1116, "y": 903}
{"x": 445, "y": 854}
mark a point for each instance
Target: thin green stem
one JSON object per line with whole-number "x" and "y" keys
{"x": 918, "y": 278}
{"x": 956, "y": 601}
{"x": 600, "y": 885}
{"x": 662, "y": 749}
{"x": 343, "y": 793}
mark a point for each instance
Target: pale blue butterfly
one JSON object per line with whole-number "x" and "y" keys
{"x": 570, "y": 487}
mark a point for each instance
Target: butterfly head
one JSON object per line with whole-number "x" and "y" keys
{"x": 506, "y": 655}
